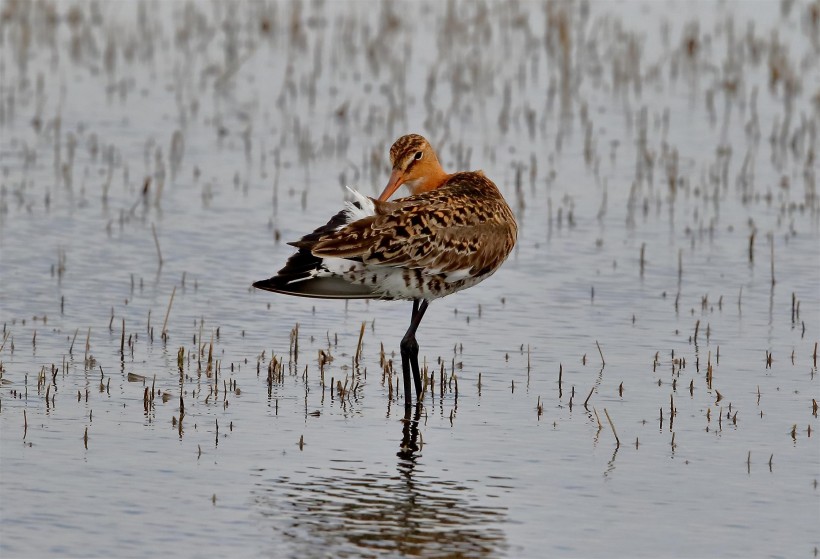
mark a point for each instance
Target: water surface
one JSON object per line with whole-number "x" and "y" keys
{"x": 659, "y": 158}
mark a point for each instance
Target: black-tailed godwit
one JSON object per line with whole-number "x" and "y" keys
{"x": 452, "y": 232}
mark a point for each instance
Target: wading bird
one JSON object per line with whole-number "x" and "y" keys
{"x": 452, "y": 232}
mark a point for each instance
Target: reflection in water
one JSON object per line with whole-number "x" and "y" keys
{"x": 356, "y": 513}
{"x": 410, "y": 434}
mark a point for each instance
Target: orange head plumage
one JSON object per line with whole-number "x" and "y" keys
{"x": 415, "y": 165}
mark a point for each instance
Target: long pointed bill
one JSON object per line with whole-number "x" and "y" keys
{"x": 393, "y": 184}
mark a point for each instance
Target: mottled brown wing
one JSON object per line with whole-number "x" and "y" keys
{"x": 464, "y": 228}
{"x": 464, "y": 250}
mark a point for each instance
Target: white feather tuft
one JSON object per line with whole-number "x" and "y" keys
{"x": 355, "y": 213}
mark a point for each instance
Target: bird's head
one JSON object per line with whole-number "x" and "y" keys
{"x": 415, "y": 165}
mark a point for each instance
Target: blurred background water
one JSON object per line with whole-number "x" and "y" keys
{"x": 661, "y": 160}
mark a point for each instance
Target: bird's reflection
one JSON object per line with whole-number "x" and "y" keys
{"x": 354, "y": 511}
{"x": 409, "y": 435}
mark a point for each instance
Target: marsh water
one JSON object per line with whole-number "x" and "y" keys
{"x": 638, "y": 380}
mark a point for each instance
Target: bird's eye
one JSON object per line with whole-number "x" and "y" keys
{"x": 418, "y": 155}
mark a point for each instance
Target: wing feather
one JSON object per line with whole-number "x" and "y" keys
{"x": 462, "y": 229}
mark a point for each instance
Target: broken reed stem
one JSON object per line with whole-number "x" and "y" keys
{"x": 601, "y": 353}
{"x": 156, "y": 242}
{"x": 617, "y": 440}
{"x": 752, "y": 247}
{"x": 560, "y": 378}
{"x": 359, "y": 346}
{"x": 671, "y": 411}
{"x": 168, "y": 312}
{"x": 588, "y": 397}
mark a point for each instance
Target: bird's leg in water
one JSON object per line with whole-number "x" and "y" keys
{"x": 410, "y": 352}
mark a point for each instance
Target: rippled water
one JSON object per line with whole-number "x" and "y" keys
{"x": 659, "y": 158}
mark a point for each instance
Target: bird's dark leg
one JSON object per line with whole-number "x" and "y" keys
{"x": 410, "y": 352}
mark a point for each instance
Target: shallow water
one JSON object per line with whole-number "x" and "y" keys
{"x": 612, "y": 129}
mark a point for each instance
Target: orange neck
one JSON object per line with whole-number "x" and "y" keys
{"x": 433, "y": 179}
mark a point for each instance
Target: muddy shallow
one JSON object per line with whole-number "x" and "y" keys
{"x": 661, "y": 160}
